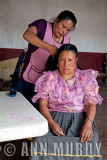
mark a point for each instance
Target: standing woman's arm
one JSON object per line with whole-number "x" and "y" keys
{"x": 30, "y": 36}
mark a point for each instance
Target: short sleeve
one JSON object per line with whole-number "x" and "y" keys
{"x": 42, "y": 87}
{"x": 91, "y": 87}
{"x": 41, "y": 26}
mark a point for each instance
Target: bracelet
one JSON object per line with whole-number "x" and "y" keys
{"x": 89, "y": 120}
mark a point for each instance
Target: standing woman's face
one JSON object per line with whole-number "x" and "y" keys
{"x": 67, "y": 62}
{"x": 62, "y": 28}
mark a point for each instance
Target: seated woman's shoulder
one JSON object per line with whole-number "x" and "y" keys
{"x": 89, "y": 73}
{"x": 47, "y": 73}
{"x": 50, "y": 72}
{"x": 47, "y": 76}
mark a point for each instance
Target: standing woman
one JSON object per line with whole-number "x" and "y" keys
{"x": 44, "y": 40}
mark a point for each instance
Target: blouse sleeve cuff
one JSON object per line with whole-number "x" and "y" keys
{"x": 94, "y": 100}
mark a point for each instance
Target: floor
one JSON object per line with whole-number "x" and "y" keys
{"x": 21, "y": 146}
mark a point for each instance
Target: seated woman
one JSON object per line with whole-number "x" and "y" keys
{"x": 67, "y": 99}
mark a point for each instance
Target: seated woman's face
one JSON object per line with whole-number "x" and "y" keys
{"x": 67, "y": 62}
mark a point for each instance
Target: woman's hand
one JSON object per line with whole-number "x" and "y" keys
{"x": 86, "y": 132}
{"x": 45, "y": 112}
{"x": 30, "y": 36}
{"x": 53, "y": 50}
{"x": 56, "y": 129}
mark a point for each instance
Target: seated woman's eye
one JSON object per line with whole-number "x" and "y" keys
{"x": 62, "y": 59}
{"x": 70, "y": 60}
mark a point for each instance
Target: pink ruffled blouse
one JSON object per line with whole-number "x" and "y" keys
{"x": 68, "y": 95}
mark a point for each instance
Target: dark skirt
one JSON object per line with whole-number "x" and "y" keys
{"x": 67, "y": 147}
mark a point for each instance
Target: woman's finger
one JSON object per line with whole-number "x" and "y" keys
{"x": 82, "y": 136}
{"x": 59, "y": 132}
{"x": 91, "y": 135}
{"x": 87, "y": 137}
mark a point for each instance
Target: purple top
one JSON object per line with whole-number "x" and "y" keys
{"x": 68, "y": 95}
{"x": 41, "y": 28}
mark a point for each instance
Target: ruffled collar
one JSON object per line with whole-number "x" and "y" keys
{"x": 75, "y": 79}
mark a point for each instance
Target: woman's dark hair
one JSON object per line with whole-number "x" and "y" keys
{"x": 67, "y": 47}
{"x": 53, "y": 61}
{"x": 67, "y": 15}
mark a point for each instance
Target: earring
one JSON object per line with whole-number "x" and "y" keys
{"x": 57, "y": 66}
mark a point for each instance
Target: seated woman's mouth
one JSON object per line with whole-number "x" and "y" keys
{"x": 66, "y": 68}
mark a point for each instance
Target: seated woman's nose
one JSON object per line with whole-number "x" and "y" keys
{"x": 66, "y": 63}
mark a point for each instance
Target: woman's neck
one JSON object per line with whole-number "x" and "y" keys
{"x": 67, "y": 76}
{"x": 57, "y": 39}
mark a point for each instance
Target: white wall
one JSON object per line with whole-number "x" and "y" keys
{"x": 89, "y": 35}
